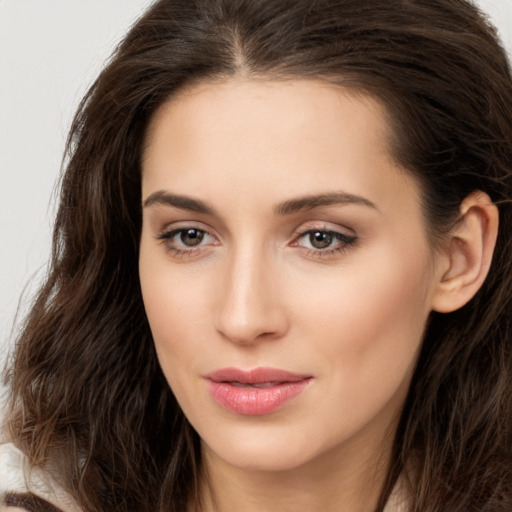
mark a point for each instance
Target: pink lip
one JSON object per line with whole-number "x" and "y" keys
{"x": 255, "y": 392}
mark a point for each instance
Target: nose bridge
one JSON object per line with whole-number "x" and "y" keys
{"x": 249, "y": 306}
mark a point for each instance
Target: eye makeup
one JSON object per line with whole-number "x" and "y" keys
{"x": 190, "y": 240}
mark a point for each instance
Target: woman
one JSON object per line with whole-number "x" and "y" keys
{"x": 278, "y": 281}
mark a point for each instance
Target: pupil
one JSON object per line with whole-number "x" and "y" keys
{"x": 320, "y": 239}
{"x": 192, "y": 237}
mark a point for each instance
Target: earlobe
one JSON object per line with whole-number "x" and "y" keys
{"x": 467, "y": 254}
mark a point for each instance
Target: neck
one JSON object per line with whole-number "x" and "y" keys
{"x": 347, "y": 481}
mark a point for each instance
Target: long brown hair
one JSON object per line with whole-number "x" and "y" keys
{"x": 89, "y": 402}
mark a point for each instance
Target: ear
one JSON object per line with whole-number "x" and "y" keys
{"x": 466, "y": 257}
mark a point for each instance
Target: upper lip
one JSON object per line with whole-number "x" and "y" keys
{"x": 255, "y": 376}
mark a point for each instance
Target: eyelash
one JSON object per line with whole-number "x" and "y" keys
{"x": 344, "y": 241}
{"x": 167, "y": 236}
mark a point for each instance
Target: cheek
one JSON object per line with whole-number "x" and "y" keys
{"x": 173, "y": 307}
{"x": 171, "y": 323}
{"x": 367, "y": 321}
{"x": 175, "y": 303}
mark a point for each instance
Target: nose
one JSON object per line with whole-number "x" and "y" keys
{"x": 250, "y": 308}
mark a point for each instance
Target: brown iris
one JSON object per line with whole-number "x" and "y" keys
{"x": 320, "y": 239}
{"x": 191, "y": 237}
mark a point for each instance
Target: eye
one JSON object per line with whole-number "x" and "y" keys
{"x": 186, "y": 240}
{"x": 324, "y": 241}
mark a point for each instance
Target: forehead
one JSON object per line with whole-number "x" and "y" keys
{"x": 271, "y": 138}
{"x": 223, "y": 107}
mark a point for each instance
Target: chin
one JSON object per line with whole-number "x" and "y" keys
{"x": 266, "y": 452}
{"x": 264, "y": 461}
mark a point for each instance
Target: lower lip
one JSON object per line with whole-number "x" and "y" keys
{"x": 253, "y": 401}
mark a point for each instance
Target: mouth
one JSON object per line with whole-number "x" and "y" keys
{"x": 255, "y": 392}
{"x": 258, "y": 385}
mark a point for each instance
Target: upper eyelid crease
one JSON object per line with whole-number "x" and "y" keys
{"x": 288, "y": 207}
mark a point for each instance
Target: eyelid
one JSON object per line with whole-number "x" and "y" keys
{"x": 328, "y": 227}
{"x": 177, "y": 226}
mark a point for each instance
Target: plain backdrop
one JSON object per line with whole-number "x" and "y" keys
{"x": 50, "y": 52}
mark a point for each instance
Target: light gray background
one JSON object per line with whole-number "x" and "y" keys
{"x": 50, "y": 51}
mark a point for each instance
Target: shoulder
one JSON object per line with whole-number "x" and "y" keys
{"x": 26, "y": 489}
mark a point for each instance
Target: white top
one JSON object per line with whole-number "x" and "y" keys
{"x": 16, "y": 477}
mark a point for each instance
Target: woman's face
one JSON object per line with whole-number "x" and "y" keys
{"x": 285, "y": 270}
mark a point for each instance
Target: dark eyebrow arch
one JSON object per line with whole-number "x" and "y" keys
{"x": 315, "y": 201}
{"x": 161, "y": 197}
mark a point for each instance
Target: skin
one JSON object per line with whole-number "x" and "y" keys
{"x": 256, "y": 291}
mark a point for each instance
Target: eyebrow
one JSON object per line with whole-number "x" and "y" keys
{"x": 315, "y": 201}
{"x": 161, "y": 197}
